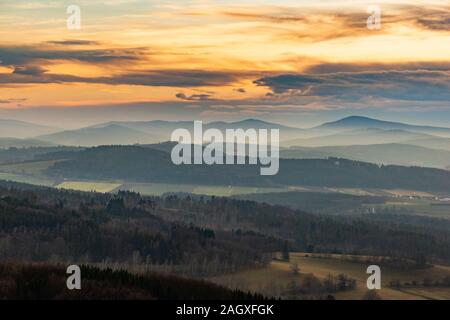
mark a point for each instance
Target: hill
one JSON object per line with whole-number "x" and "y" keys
{"x": 393, "y": 153}
{"x": 6, "y": 143}
{"x": 21, "y": 129}
{"x": 143, "y": 164}
{"x": 145, "y": 132}
{"x": 26, "y": 281}
{"x": 361, "y": 136}
{"x": 318, "y": 271}
{"x": 357, "y": 122}
{"x": 93, "y": 136}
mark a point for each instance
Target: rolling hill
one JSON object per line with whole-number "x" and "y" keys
{"x": 356, "y": 122}
{"x": 6, "y": 143}
{"x": 143, "y": 164}
{"x": 94, "y": 136}
{"x": 145, "y": 132}
{"x": 361, "y": 136}
{"x": 393, "y": 153}
{"x": 20, "y": 129}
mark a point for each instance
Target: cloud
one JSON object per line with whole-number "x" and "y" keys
{"x": 29, "y": 70}
{"x": 73, "y": 42}
{"x": 441, "y": 23}
{"x": 325, "y": 67}
{"x": 194, "y": 97}
{"x": 155, "y": 78}
{"x": 7, "y": 101}
{"x": 23, "y": 55}
{"x": 419, "y": 85}
{"x": 29, "y": 67}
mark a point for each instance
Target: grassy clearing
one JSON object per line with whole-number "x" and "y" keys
{"x": 158, "y": 189}
{"x": 34, "y": 180}
{"x": 274, "y": 279}
{"x": 28, "y": 168}
{"x": 421, "y": 206}
{"x": 87, "y": 186}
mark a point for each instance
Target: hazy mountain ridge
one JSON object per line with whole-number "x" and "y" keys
{"x": 21, "y": 129}
{"x": 353, "y": 122}
{"x": 93, "y": 136}
{"x": 360, "y": 136}
{"x": 6, "y": 143}
{"x": 393, "y": 153}
{"x": 344, "y": 132}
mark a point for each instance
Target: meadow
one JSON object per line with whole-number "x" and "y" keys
{"x": 274, "y": 279}
{"x": 158, "y": 189}
{"x": 89, "y": 186}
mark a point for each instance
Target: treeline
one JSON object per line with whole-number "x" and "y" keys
{"x": 317, "y": 202}
{"x": 48, "y": 282}
{"x": 426, "y": 282}
{"x": 309, "y": 286}
{"x": 144, "y": 164}
{"x": 14, "y": 155}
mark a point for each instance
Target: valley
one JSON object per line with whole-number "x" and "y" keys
{"x": 336, "y": 208}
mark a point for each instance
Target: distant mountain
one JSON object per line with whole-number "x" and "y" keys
{"x": 144, "y": 132}
{"x": 431, "y": 142}
{"x": 356, "y": 122}
{"x": 20, "y": 129}
{"x": 111, "y": 134}
{"x": 361, "y": 136}
{"x": 348, "y": 131}
{"x": 399, "y": 154}
{"x": 249, "y": 124}
{"x": 158, "y": 129}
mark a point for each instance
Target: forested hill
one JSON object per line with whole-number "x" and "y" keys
{"x": 145, "y": 164}
{"x": 26, "y": 281}
{"x": 176, "y": 233}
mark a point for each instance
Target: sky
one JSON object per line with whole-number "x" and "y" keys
{"x": 295, "y": 62}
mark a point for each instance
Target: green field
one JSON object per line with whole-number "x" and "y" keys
{"x": 158, "y": 189}
{"x": 425, "y": 207}
{"x": 88, "y": 186}
{"x": 27, "y": 172}
{"x": 27, "y": 168}
{"x": 35, "y": 180}
{"x": 274, "y": 279}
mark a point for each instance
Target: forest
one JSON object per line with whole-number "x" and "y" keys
{"x": 147, "y": 164}
{"x": 194, "y": 235}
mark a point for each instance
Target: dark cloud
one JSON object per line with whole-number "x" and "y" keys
{"x": 29, "y": 64}
{"x": 240, "y": 90}
{"x": 363, "y": 67}
{"x": 73, "y": 42}
{"x": 29, "y": 70}
{"x": 6, "y": 101}
{"x": 24, "y": 55}
{"x": 417, "y": 85}
{"x": 156, "y": 78}
{"x": 440, "y": 23}
{"x": 194, "y": 97}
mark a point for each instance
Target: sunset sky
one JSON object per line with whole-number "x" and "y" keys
{"x": 296, "y": 62}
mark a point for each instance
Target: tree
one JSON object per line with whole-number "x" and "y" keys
{"x": 295, "y": 269}
{"x": 285, "y": 253}
{"x": 371, "y": 295}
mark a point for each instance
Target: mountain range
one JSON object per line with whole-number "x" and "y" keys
{"x": 357, "y": 122}
{"x": 355, "y": 137}
{"x": 22, "y": 130}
